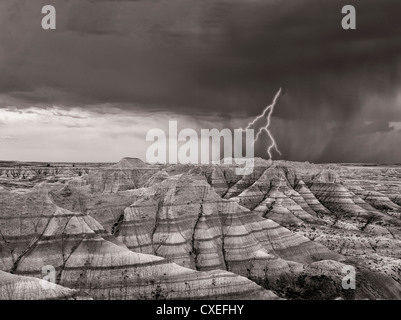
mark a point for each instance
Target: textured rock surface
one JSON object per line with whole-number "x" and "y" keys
{"x": 310, "y": 199}
{"x": 184, "y": 220}
{"x": 363, "y": 221}
{"x": 138, "y": 231}
{"x": 14, "y": 287}
{"x": 88, "y": 259}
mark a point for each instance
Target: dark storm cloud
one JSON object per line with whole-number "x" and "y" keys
{"x": 368, "y": 143}
{"x": 219, "y": 58}
{"x": 91, "y": 18}
{"x": 230, "y": 55}
{"x": 302, "y": 47}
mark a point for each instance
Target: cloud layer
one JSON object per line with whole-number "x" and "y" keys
{"x": 218, "y": 60}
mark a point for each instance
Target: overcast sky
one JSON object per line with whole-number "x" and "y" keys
{"x": 113, "y": 69}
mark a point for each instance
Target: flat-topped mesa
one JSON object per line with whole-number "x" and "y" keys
{"x": 129, "y": 163}
{"x": 37, "y": 233}
{"x": 13, "y": 287}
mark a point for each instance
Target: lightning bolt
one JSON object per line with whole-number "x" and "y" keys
{"x": 267, "y": 112}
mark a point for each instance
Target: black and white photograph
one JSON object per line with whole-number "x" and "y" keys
{"x": 206, "y": 150}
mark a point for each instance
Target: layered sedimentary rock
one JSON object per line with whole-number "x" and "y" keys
{"x": 128, "y": 163}
{"x": 184, "y": 220}
{"x": 284, "y": 209}
{"x": 344, "y": 203}
{"x": 13, "y": 287}
{"x": 335, "y": 196}
{"x": 223, "y": 177}
{"x": 105, "y": 207}
{"x": 357, "y": 225}
{"x": 310, "y": 199}
{"x": 169, "y": 213}
{"x": 322, "y": 278}
{"x": 374, "y": 198}
{"x": 205, "y": 220}
{"x": 156, "y": 178}
{"x": 384, "y": 180}
{"x": 254, "y": 194}
{"x": 37, "y": 233}
{"x": 243, "y": 183}
{"x": 277, "y": 212}
{"x": 273, "y": 196}
{"x": 129, "y": 173}
{"x": 215, "y": 176}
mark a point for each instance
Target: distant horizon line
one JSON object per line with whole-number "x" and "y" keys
{"x": 113, "y": 162}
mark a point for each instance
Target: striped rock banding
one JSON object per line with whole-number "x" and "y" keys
{"x": 253, "y": 195}
{"x": 14, "y": 287}
{"x": 310, "y": 198}
{"x": 374, "y": 198}
{"x": 36, "y": 233}
{"x": 337, "y": 198}
{"x": 284, "y": 210}
{"x": 184, "y": 220}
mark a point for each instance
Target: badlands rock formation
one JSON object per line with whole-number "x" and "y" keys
{"x": 36, "y": 233}
{"x": 138, "y": 231}
{"x": 184, "y": 220}
{"x": 14, "y": 287}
